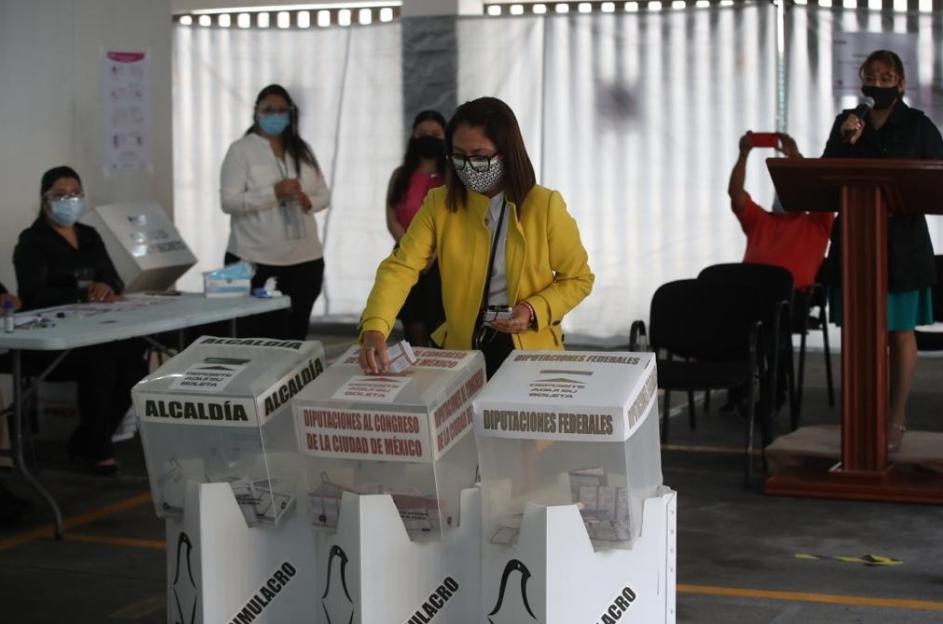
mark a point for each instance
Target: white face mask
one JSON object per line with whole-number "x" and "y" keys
{"x": 482, "y": 181}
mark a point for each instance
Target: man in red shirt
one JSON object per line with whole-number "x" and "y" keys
{"x": 793, "y": 240}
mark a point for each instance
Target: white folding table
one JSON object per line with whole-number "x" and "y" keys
{"x": 64, "y": 328}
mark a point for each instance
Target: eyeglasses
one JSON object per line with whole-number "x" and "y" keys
{"x": 61, "y": 196}
{"x": 265, "y": 110}
{"x": 477, "y": 163}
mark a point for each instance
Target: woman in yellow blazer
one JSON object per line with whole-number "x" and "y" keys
{"x": 490, "y": 201}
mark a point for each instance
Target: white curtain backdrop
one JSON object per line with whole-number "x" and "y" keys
{"x": 635, "y": 118}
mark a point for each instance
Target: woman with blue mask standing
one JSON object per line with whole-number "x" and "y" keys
{"x": 270, "y": 186}
{"x": 61, "y": 261}
{"x": 502, "y": 241}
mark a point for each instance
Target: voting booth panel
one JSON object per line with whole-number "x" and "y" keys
{"x": 142, "y": 242}
{"x": 408, "y": 435}
{"x": 577, "y": 525}
{"x": 220, "y": 412}
{"x": 372, "y": 571}
{"x": 221, "y": 571}
{"x": 554, "y": 575}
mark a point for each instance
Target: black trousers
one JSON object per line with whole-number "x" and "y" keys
{"x": 302, "y": 282}
{"x": 105, "y": 374}
{"x": 496, "y": 347}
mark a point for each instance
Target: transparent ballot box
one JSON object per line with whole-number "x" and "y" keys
{"x": 562, "y": 428}
{"x": 220, "y": 412}
{"x": 407, "y": 434}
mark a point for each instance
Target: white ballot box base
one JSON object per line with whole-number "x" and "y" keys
{"x": 551, "y": 574}
{"x": 221, "y": 571}
{"x": 371, "y": 572}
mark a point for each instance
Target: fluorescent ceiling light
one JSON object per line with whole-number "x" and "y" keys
{"x": 300, "y": 7}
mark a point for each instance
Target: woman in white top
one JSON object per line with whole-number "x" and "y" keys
{"x": 270, "y": 187}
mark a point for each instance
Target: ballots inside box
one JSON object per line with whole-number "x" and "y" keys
{"x": 259, "y": 501}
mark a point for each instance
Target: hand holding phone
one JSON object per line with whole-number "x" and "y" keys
{"x": 764, "y": 139}
{"x": 497, "y": 313}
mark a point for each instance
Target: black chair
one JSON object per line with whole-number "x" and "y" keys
{"x": 709, "y": 342}
{"x": 815, "y": 297}
{"x": 933, "y": 341}
{"x": 770, "y": 290}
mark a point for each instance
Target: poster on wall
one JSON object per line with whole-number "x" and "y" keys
{"x": 126, "y": 94}
{"x": 850, "y": 49}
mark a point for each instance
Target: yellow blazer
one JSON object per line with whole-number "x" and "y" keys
{"x": 546, "y": 266}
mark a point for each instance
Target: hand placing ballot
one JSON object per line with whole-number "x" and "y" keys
{"x": 373, "y": 358}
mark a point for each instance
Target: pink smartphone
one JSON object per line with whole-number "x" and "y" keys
{"x": 764, "y": 139}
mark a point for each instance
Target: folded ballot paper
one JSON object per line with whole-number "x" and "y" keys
{"x": 233, "y": 280}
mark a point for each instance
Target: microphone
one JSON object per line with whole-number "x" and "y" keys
{"x": 860, "y": 112}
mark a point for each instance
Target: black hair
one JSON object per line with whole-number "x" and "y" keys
{"x": 411, "y": 159}
{"x": 884, "y": 56}
{"x": 52, "y": 176}
{"x": 295, "y": 146}
{"x": 500, "y": 125}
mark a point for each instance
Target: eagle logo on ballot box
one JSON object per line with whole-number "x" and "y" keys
{"x": 513, "y": 610}
{"x": 184, "y": 588}
{"x": 336, "y": 602}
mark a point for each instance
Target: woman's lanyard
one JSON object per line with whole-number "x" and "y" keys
{"x": 494, "y": 250}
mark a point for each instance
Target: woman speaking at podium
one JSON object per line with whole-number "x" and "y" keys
{"x": 506, "y": 247}
{"x": 891, "y": 129}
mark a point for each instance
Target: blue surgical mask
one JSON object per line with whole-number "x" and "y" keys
{"x": 275, "y": 123}
{"x": 66, "y": 212}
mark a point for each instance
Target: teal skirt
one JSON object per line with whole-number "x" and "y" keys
{"x": 905, "y": 310}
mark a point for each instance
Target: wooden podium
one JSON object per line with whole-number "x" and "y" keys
{"x": 867, "y": 190}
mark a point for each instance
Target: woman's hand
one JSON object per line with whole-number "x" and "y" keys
{"x": 286, "y": 189}
{"x": 373, "y": 357}
{"x": 520, "y": 321}
{"x": 304, "y": 202}
{"x": 852, "y": 128}
{"x": 746, "y": 143}
{"x": 101, "y": 292}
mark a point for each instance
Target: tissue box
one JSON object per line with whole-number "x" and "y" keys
{"x": 233, "y": 280}
{"x": 222, "y": 287}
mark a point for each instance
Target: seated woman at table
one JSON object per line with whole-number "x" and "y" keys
{"x": 60, "y": 261}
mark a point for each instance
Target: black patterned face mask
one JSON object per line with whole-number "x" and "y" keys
{"x": 482, "y": 181}
{"x": 884, "y": 97}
